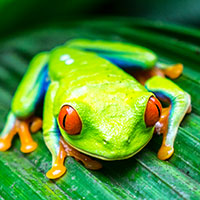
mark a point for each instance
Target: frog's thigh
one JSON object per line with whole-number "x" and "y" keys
{"x": 180, "y": 104}
{"x": 124, "y": 55}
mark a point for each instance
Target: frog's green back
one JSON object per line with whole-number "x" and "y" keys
{"x": 74, "y": 64}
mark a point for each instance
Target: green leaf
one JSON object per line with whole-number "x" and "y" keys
{"x": 22, "y": 176}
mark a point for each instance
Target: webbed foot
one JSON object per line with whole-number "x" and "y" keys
{"x": 165, "y": 152}
{"x": 56, "y": 172}
{"x": 22, "y": 128}
{"x": 173, "y": 71}
{"x": 58, "y": 168}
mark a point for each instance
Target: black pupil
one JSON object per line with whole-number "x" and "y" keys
{"x": 64, "y": 118}
{"x": 158, "y": 110}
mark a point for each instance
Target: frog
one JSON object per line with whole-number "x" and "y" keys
{"x": 102, "y": 100}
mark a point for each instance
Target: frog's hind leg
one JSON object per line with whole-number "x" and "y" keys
{"x": 180, "y": 104}
{"x": 132, "y": 58}
{"x": 26, "y": 98}
{"x": 124, "y": 55}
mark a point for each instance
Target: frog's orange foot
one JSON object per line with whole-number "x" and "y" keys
{"x": 165, "y": 152}
{"x": 27, "y": 143}
{"x": 35, "y": 124}
{"x": 22, "y": 128}
{"x": 174, "y": 71}
{"x": 56, "y": 172}
{"x": 29, "y": 147}
{"x": 6, "y": 141}
{"x": 4, "y": 144}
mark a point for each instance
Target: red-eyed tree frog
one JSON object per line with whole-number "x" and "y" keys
{"x": 92, "y": 106}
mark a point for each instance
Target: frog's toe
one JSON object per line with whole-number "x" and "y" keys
{"x": 28, "y": 148}
{"x": 4, "y": 145}
{"x": 36, "y": 124}
{"x": 27, "y": 143}
{"x": 165, "y": 152}
{"x": 174, "y": 71}
{"x": 92, "y": 164}
{"x": 56, "y": 172}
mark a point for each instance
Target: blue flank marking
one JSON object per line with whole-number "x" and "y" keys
{"x": 44, "y": 82}
{"x": 160, "y": 95}
{"x": 58, "y": 130}
{"x": 112, "y": 57}
{"x": 122, "y": 63}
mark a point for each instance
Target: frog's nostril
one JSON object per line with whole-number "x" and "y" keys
{"x": 153, "y": 111}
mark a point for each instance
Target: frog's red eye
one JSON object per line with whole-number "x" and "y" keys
{"x": 69, "y": 120}
{"x": 153, "y": 111}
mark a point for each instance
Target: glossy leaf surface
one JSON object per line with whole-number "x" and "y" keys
{"x": 143, "y": 176}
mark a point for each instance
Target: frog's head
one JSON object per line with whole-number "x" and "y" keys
{"x": 110, "y": 124}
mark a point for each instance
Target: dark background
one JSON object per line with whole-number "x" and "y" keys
{"x": 17, "y": 15}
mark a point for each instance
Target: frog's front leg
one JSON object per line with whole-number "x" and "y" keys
{"x": 55, "y": 142}
{"x": 173, "y": 115}
{"x": 64, "y": 150}
{"x": 52, "y": 135}
{"x": 28, "y": 94}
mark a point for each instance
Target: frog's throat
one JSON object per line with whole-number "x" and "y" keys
{"x": 110, "y": 159}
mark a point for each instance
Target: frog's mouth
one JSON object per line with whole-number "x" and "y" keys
{"x": 106, "y": 158}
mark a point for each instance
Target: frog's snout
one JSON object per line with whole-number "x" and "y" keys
{"x": 153, "y": 111}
